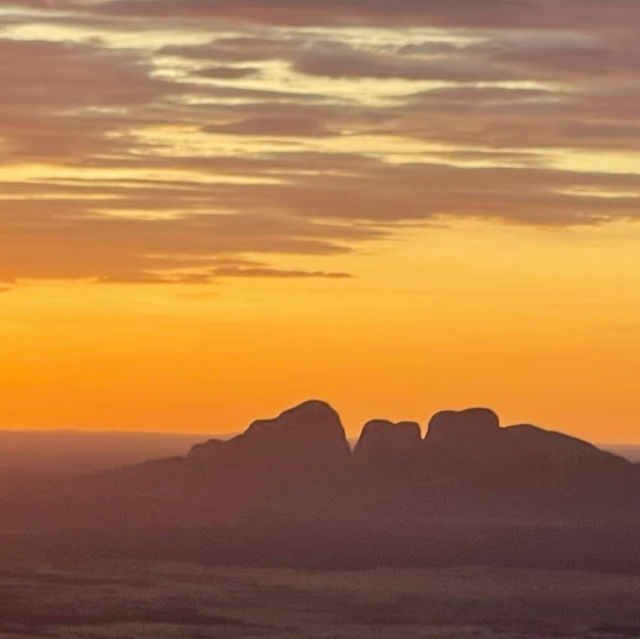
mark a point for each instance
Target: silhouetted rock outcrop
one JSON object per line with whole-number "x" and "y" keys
{"x": 523, "y": 470}
{"x": 308, "y": 438}
{"x": 384, "y": 443}
{"x": 466, "y": 460}
{"x": 458, "y": 440}
{"x": 300, "y": 453}
{"x": 456, "y": 430}
{"x": 303, "y": 449}
{"x": 525, "y": 442}
{"x": 289, "y": 489}
{"x": 546, "y": 467}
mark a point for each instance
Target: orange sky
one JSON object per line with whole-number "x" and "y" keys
{"x": 206, "y": 217}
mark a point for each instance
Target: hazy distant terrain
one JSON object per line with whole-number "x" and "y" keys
{"x": 632, "y": 453}
{"x": 114, "y": 600}
{"x": 70, "y": 452}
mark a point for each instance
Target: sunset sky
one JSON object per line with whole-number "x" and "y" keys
{"x": 211, "y": 210}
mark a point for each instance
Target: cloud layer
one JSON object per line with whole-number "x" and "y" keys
{"x": 145, "y": 141}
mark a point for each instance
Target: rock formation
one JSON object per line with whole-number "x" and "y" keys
{"x": 288, "y": 490}
{"x": 298, "y": 465}
{"x": 308, "y": 439}
{"x": 383, "y": 443}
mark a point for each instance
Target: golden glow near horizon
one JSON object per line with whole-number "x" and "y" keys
{"x": 206, "y": 218}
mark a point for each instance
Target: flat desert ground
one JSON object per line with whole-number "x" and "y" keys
{"x": 175, "y": 600}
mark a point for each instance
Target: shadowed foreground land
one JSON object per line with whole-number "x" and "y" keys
{"x": 184, "y": 600}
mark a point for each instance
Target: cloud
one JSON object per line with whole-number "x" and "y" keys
{"x": 44, "y": 245}
{"x": 60, "y": 100}
{"x": 247, "y": 48}
{"x": 476, "y": 14}
{"x": 226, "y": 73}
{"x": 223, "y": 268}
{"x": 334, "y": 59}
{"x": 296, "y": 124}
{"x": 275, "y": 272}
{"x": 162, "y": 141}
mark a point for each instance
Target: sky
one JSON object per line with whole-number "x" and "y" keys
{"x": 211, "y": 210}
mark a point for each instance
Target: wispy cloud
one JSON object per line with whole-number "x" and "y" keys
{"x": 275, "y": 272}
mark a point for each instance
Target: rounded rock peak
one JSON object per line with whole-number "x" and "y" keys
{"x": 206, "y": 450}
{"x": 386, "y": 428}
{"x": 311, "y": 407}
{"x": 310, "y": 425}
{"x": 380, "y": 436}
{"x": 312, "y": 415}
{"x": 468, "y": 424}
